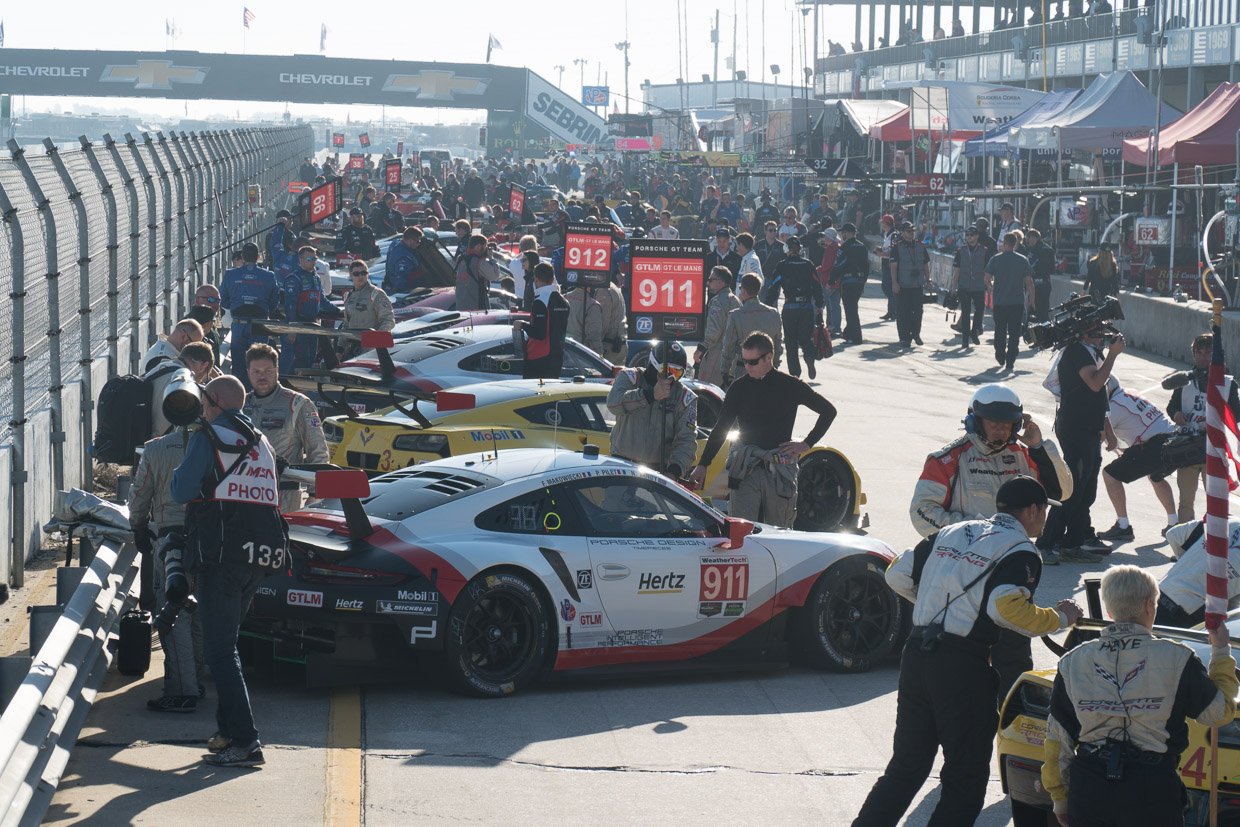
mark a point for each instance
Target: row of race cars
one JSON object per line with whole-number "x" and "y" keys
{"x": 488, "y": 539}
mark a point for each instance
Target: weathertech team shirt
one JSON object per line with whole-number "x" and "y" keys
{"x": 765, "y": 410}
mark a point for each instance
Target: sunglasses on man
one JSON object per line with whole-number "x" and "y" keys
{"x": 754, "y": 362}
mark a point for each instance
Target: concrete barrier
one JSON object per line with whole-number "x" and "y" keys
{"x": 1154, "y": 324}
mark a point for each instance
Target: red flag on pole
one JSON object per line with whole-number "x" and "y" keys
{"x": 1222, "y": 477}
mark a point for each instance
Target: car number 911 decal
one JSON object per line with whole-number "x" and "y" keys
{"x": 724, "y": 586}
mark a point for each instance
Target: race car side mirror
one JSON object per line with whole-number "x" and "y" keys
{"x": 449, "y": 401}
{"x": 738, "y": 530}
{"x": 374, "y": 339}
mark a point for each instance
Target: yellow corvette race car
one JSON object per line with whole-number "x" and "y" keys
{"x": 1022, "y": 732}
{"x": 533, "y": 413}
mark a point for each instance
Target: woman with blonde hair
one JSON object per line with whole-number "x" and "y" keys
{"x": 1102, "y": 273}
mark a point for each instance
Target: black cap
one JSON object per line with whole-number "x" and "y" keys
{"x": 1021, "y": 492}
{"x": 283, "y": 214}
{"x": 792, "y": 242}
{"x": 356, "y": 211}
{"x": 848, "y": 227}
{"x": 906, "y": 225}
{"x": 1007, "y": 205}
{"x": 723, "y": 232}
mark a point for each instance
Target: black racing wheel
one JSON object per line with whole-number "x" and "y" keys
{"x": 498, "y": 637}
{"x": 852, "y": 618}
{"x": 826, "y": 492}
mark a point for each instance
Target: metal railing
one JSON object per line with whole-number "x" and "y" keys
{"x": 41, "y": 723}
{"x": 100, "y": 253}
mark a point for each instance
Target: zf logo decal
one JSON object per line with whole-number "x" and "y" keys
{"x": 585, "y": 579}
{"x": 645, "y": 324}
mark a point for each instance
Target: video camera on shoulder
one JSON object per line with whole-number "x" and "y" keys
{"x": 1074, "y": 318}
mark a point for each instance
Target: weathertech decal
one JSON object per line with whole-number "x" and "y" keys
{"x": 725, "y": 577}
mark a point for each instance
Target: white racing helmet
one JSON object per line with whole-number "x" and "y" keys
{"x": 996, "y": 402}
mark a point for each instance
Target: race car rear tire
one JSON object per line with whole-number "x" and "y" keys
{"x": 852, "y": 618}
{"x": 498, "y": 637}
{"x": 826, "y": 492}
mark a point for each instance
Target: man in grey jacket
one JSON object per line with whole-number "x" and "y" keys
{"x": 751, "y": 317}
{"x": 708, "y": 357}
{"x": 656, "y": 416}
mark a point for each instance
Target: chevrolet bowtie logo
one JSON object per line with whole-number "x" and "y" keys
{"x": 153, "y": 74}
{"x": 436, "y": 84}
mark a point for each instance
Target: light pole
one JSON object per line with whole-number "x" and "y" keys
{"x": 581, "y": 62}
{"x": 560, "y": 69}
{"x": 624, "y": 47}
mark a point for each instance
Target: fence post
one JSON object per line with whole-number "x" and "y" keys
{"x": 177, "y": 181}
{"x": 135, "y": 274}
{"x": 109, "y": 203}
{"x": 189, "y": 180}
{"x": 165, "y": 187}
{"x": 86, "y": 401}
{"x": 55, "y": 375}
{"x": 210, "y": 215}
{"x": 17, "y": 569}
{"x": 152, "y": 226}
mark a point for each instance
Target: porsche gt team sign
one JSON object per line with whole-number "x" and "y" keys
{"x": 668, "y": 295}
{"x": 587, "y": 254}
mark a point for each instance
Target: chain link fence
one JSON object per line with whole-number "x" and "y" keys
{"x": 102, "y": 249}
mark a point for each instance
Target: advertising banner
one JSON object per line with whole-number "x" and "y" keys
{"x": 960, "y": 106}
{"x": 595, "y": 96}
{"x": 668, "y": 299}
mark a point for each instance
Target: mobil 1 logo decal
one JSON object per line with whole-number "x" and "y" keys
{"x": 723, "y": 585}
{"x": 668, "y": 293}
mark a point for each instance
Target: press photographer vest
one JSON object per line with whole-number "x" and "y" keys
{"x": 237, "y": 517}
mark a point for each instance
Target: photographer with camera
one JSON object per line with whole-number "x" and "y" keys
{"x": 967, "y": 583}
{"x": 1081, "y": 374}
{"x": 1109, "y": 757}
{"x": 158, "y": 523}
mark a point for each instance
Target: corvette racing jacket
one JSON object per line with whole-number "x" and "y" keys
{"x": 935, "y": 573}
{"x": 960, "y": 480}
{"x": 651, "y": 431}
{"x": 1130, "y": 684}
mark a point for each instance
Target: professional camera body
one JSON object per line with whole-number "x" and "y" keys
{"x": 177, "y": 595}
{"x": 1076, "y": 316}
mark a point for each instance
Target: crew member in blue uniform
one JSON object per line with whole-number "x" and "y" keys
{"x": 403, "y": 270}
{"x": 247, "y": 292}
{"x": 303, "y": 300}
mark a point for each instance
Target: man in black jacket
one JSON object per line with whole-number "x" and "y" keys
{"x": 384, "y": 218}
{"x": 803, "y": 300}
{"x": 358, "y": 239}
{"x": 545, "y": 331}
{"x": 1042, "y": 258}
{"x": 722, "y": 254}
{"x": 769, "y": 248}
{"x": 852, "y": 265}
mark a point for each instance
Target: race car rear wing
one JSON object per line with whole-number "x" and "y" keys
{"x": 330, "y": 482}
{"x": 396, "y": 397}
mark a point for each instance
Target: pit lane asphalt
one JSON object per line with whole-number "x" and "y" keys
{"x": 784, "y": 745}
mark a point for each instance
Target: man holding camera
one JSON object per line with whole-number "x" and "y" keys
{"x": 656, "y": 416}
{"x": 1116, "y": 726}
{"x": 967, "y": 583}
{"x": 158, "y": 523}
{"x": 1082, "y": 375}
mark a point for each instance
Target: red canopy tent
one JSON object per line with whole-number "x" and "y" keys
{"x": 894, "y": 129}
{"x": 1205, "y": 135}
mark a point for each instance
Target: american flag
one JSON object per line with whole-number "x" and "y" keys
{"x": 247, "y": 17}
{"x": 1222, "y": 477}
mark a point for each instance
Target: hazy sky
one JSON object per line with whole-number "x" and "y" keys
{"x": 536, "y": 34}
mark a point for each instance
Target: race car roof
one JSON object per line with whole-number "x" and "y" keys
{"x": 520, "y": 463}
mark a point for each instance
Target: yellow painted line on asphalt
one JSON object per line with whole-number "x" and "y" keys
{"x": 342, "y": 799}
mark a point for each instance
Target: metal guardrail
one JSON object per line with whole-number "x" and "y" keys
{"x": 41, "y": 723}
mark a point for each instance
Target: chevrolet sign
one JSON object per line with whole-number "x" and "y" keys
{"x": 435, "y": 85}
{"x": 153, "y": 74}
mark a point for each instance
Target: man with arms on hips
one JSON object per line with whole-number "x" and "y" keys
{"x": 763, "y": 463}
{"x": 1118, "y": 707}
{"x": 966, "y": 583}
{"x": 287, "y": 418}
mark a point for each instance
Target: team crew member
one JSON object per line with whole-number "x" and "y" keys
{"x": 1142, "y": 428}
{"x": 303, "y": 301}
{"x": 368, "y": 307}
{"x": 402, "y": 270}
{"x": 158, "y": 523}
{"x": 796, "y": 276}
{"x": 969, "y": 285}
{"x": 247, "y": 292}
{"x": 169, "y": 347}
{"x": 237, "y": 538}
{"x": 1082, "y": 374}
{"x": 769, "y": 248}
{"x": 615, "y": 323}
{"x": 288, "y": 418}
{"x": 585, "y": 317}
{"x": 1042, "y": 259}
{"x": 708, "y": 357}
{"x": 1108, "y": 758}
{"x": 384, "y": 216}
{"x": 750, "y": 261}
{"x": 656, "y": 416}
{"x": 547, "y": 327}
{"x": 1187, "y": 407}
{"x": 664, "y": 229}
{"x": 852, "y": 268}
{"x": 472, "y": 285}
{"x": 966, "y": 583}
{"x": 207, "y": 297}
{"x": 722, "y": 254}
{"x": 1010, "y": 278}
{"x": 762, "y": 466}
{"x": 961, "y": 480}
{"x": 751, "y": 317}
{"x": 357, "y": 238}
{"x": 281, "y": 236}
{"x": 910, "y": 271}
{"x": 1182, "y": 592}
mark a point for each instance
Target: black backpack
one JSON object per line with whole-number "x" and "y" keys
{"x": 123, "y": 416}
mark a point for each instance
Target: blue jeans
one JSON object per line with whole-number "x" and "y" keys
{"x": 834, "y": 313}
{"x": 224, "y": 594}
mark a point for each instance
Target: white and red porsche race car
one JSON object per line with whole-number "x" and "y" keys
{"x": 508, "y": 567}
